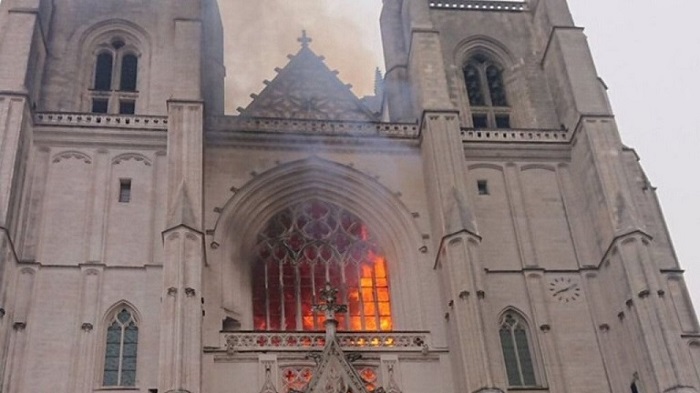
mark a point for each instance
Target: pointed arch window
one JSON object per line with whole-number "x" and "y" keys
{"x": 486, "y": 92}
{"x": 303, "y": 247}
{"x": 517, "y": 351}
{"x": 115, "y": 82}
{"x": 121, "y": 349}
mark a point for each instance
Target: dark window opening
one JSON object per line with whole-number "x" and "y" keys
{"x": 100, "y": 105}
{"x": 125, "y": 190}
{"x": 127, "y": 107}
{"x": 486, "y": 92}
{"x": 483, "y": 187}
{"x": 103, "y": 72}
{"x": 129, "y": 72}
{"x": 502, "y": 121}
{"x": 480, "y": 121}
{"x": 473, "y": 81}
{"x": 633, "y": 387}
{"x": 496, "y": 89}
{"x": 516, "y": 351}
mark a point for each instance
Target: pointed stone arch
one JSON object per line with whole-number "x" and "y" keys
{"x": 247, "y": 212}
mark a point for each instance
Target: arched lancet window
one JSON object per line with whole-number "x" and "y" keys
{"x": 121, "y": 349}
{"x": 103, "y": 71}
{"x": 303, "y": 247}
{"x": 486, "y": 92}
{"x": 128, "y": 73}
{"x": 115, "y": 88}
{"x": 517, "y": 352}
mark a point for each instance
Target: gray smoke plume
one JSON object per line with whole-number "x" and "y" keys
{"x": 259, "y": 34}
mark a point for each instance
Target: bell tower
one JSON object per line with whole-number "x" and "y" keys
{"x": 108, "y": 64}
{"x": 510, "y": 106}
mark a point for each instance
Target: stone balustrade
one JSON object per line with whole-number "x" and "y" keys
{"x": 515, "y": 135}
{"x": 309, "y": 341}
{"x": 482, "y": 5}
{"x": 96, "y": 120}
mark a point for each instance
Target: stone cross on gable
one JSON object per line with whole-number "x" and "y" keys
{"x": 330, "y": 307}
{"x": 304, "y": 39}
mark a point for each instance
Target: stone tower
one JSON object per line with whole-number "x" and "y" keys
{"x": 478, "y": 226}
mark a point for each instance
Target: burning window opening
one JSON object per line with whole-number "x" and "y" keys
{"x": 307, "y": 245}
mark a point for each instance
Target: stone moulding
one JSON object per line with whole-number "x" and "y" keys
{"x": 309, "y": 341}
{"x": 156, "y": 123}
{"x": 483, "y": 5}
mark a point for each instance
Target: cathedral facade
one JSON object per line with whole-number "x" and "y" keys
{"x": 475, "y": 226}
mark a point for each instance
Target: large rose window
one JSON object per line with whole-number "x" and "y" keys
{"x": 303, "y": 247}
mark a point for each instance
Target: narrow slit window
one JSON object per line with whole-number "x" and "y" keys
{"x": 125, "y": 190}
{"x": 483, "y": 187}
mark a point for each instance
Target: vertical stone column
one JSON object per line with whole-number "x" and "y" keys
{"x": 183, "y": 238}
{"x": 14, "y": 367}
{"x": 458, "y": 258}
{"x": 183, "y": 242}
{"x": 86, "y": 338}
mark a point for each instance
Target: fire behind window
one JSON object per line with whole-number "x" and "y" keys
{"x": 307, "y": 245}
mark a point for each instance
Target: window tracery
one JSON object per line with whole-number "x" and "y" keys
{"x": 121, "y": 350}
{"x": 307, "y": 245}
{"x": 486, "y": 92}
{"x": 116, "y": 65}
{"x": 517, "y": 352}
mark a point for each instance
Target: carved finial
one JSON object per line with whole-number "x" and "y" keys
{"x": 330, "y": 306}
{"x": 304, "y": 39}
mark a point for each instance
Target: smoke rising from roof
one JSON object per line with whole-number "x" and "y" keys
{"x": 259, "y": 34}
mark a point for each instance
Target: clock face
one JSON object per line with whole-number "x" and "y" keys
{"x": 565, "y": 289}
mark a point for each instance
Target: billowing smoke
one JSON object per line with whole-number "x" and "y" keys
{"x": 259, "y": 34}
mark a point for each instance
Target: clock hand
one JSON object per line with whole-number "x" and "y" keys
{"x": 564, "y": 289}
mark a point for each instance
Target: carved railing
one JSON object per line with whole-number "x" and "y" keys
{"x": 483, "y": 5}
{"x": 96, "y": 120}
{"x": 226, "y": 124}
{"x": 310, "y": 341}
{"x": 515, "y": 135}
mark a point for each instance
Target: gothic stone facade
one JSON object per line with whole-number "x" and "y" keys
{"x": 504, "y": 239}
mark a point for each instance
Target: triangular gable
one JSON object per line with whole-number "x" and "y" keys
{"x": 335, "y": 374}
{"x": 307, "y": 89}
